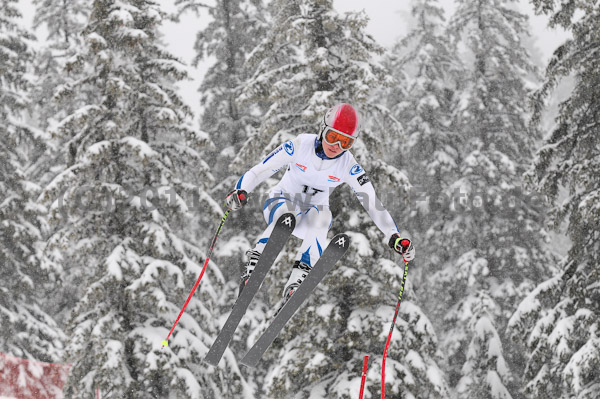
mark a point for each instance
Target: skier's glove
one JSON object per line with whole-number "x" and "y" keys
{"x": 236, "y": 199}
{"x": 403, "y": 246}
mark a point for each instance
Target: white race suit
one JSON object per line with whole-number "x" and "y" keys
{"x": 304, "y": 190}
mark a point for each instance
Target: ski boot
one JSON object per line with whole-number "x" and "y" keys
{"x": 248, "y": 268}
{"x": 299, "y": 272}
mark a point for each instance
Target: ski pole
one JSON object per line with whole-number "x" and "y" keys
{"x": 389, "y": 338}
{"x": 364, "y": 376}
{"x": 212, "y": 246}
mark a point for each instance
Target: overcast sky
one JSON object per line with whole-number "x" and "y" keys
{"x": 387, "y": 23}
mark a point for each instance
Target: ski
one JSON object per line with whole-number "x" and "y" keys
{"x": 282, "y": 231}
{"x": 334, "y": 252}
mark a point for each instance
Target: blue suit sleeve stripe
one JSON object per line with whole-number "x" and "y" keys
{"x": 239, "y": 183}
{"x": 269, "y": 157}
{"x": 263, "y": 240}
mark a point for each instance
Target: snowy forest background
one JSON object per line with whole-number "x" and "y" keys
{"x": 111, "y": 187}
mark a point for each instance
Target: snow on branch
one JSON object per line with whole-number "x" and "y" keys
{"x": 583, "y": 365}
{"x": 140, "y": 147}
{"x": 531, "y": 305}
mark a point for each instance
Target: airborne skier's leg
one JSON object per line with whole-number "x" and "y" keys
{"x": 281, "y": 232}
{"x": 248, "y": 268}
{"x": 333, "y": 252}
{"x": 275, "y": 206}
{"x": 315, "y": 225}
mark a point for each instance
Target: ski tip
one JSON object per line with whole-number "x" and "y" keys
{"x": 287, "y": 220}
{"x": 341, "y": 240}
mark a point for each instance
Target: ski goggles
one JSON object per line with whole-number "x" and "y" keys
{"x": 333, "y": 136}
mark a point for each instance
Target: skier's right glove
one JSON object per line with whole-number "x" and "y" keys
{"x": 403, "y": 246}
{"x": 236, "y": 199}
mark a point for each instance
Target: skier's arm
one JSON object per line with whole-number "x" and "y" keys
{"x": 358, "y": 180}
{"x": 365, "y": 192}
{"x": 280, "y": 157}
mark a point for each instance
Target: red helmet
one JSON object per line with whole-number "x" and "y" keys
{"x": 341, "y": 125}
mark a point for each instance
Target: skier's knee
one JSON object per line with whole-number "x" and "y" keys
{"x": 323, "y": 221}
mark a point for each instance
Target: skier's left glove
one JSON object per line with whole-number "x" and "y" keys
{"x": 236, "y": 199}
{"x": 403, "y": 246}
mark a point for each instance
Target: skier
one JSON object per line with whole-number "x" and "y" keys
{"x": 316, "y": 164}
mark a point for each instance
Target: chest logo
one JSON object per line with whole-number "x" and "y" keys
{"x": 301, "y": 167}
{"x": 288, "y": 146}
{"x": 356, "y": 169}
{"x": 334, "y": 179}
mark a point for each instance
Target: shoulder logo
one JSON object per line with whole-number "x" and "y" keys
{"x": 288, "y": 146}
{"x": 334, "y": 179}
{"x": 363, "y": 179}
{"x": 356, "y": 169}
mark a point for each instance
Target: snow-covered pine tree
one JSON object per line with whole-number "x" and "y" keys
{"x": 235, "y": 29}
{"x": 311, "y": 59}
{"x": 27, "y": 330}
{"x": 64, "y": 21}
{"x": 120, "y": 210}
{"x": 559, "y": 321}
{"x": 492, "y": 250}
{"x": 426, "y": 61}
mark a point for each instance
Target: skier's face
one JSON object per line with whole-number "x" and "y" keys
{"x": 331, "y": 150}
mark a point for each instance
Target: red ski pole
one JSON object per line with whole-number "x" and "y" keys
{"x": 212, "y": 246}
{"x": 364, "y": 376}
{"x": 389, "y": 338}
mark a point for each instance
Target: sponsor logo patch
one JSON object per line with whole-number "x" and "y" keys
{"x": 334, "y": 179}
{"x": 356, "y": 169}
{"x": 289, "y": 147}
{"x": 301, "y": 167}
{"x": 363, "y": 179}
